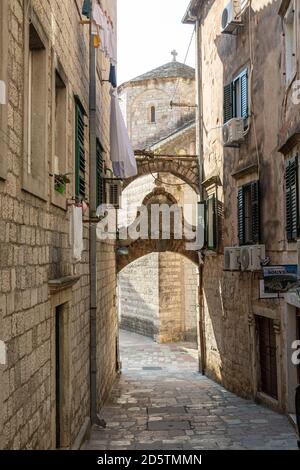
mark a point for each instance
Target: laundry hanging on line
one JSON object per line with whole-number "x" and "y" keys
{"x": 102, "y": 28}
{"x": 121, "y": 151}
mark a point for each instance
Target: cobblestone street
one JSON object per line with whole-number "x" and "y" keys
{"x": 161, "y": 402}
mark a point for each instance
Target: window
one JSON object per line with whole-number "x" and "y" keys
{"x": 60, "y": 133}
{"x": 100, "y": 174}
{"x": 80, "y": 163}
{"x": 292, "y": 198}
{"x": 236, "y": 98}
{"x": 267, "y": 356}
{"x": 211, "y": 222}
{"x": 3, "y": 86}
{"x": 207, "y": 221}
{"x": 249, "y": 214}
{"x": 153, "y": 114}
{"x": 290, "y": 42}
{"x": 36, "y": 110}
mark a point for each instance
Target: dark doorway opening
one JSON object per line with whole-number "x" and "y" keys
{"x": 267, "y": 356}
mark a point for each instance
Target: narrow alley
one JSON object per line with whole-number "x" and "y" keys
{"x": 161, "y": 402}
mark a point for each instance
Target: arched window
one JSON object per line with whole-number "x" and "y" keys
{"x": 152, "y": 114}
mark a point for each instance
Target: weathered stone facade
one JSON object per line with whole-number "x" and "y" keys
{"x": 158, "y": 292}
{"x": 40, "y": 284}
{"x": 233, "y": 307}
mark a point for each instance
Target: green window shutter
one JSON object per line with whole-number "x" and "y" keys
{"x": 211, "y": 222}
{"x": 80, "y": 164}
{"x": 244, "y": 94}
{"x": 241, "y": 216}
{"x": 99, "y": 174}
{"x": 228, "y": 102}
{"x": 255, "y": 212}
{"x": 292, "y": 199}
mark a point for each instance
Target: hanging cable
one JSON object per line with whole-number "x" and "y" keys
{"x": 185, "y": 59}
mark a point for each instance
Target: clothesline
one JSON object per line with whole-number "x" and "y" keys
{"x": 121, "y": 151}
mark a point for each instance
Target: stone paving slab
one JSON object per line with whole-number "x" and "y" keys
{"x": 175, "y": 408}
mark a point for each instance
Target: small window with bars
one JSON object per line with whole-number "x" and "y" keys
{"x": 249, "y": 214}
{"x": 236, "y": 98}
{"x": 80, "y": 162}
{"x": 292, "y": 198}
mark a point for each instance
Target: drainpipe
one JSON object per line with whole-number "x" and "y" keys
{"x": 199, "y": 131}
{"x": 92, "y": 233}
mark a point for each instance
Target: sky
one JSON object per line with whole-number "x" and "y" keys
{"x": 148, "y": 30}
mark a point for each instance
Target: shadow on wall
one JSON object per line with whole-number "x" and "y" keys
{"x": 229, "y": 297}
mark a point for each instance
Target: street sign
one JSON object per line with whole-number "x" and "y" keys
{"x": 281, "y": 278}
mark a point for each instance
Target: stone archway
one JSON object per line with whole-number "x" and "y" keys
{"x": 142, "y": 248}
{"x": 183, "y": 167}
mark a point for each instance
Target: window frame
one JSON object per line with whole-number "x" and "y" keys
{"x": 35, "y": 184}
{"x": 58, "y": 199}
{"x": 230, "y": 98}
{"x": 4, "y": 42}
{"x": 152, "y": 114}
{"x": 253, "y": 188}
{"x": 78, "y": 108}
{"x": 293, "y": 158}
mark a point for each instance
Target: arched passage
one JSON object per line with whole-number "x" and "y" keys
{"x": 158, "y": 297}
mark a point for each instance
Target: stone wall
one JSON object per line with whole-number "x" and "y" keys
{"x": 35, "y": 248}
{"x": 138, "y": 99}
{"x": 231, "y": 300}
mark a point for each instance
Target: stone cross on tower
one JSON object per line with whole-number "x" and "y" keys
{"x": 174, "y": 54}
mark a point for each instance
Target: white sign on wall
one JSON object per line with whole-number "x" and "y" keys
{"x": 2, "y": 353}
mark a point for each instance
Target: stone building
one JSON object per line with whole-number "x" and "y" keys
{"x": 249, "y": 75}
{"x": 158, "y": 291}
{"x": 45, "y": 294}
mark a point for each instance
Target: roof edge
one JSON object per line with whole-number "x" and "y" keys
{"x": 191, "y": 14}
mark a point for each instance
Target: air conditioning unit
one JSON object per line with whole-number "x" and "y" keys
{"x": 251, "y": 257}
{"x": 232, "y": 259}
{"x": 233, "y": 132}
{"x": 231, "y": 17}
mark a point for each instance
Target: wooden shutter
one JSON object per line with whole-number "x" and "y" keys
{"x": 99, "y": 174}
{"x": 292, "y": 195}
{"x": 228, "y": 102}
{"x": 244, "y": 95}
{"x": 241, "y": 216}
{"x": 80, "y": 185}
{"x": 211, "y": 223}
{"x": 267, "y": 355}
{"x": 255, "y": 209}
{"x": 114, "y": 189}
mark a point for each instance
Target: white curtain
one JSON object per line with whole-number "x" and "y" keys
{"x": 121, "y": 151}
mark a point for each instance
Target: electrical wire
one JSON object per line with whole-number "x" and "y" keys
{"x": 185, "y": 59}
